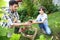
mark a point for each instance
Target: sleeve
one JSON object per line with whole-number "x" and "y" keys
{"x": 4, "y": 23}
{"x": 44, "y": 17}
{"x": 8, "y": 21}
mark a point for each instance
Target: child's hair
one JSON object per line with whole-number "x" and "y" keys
{"x": 43, "y": 8}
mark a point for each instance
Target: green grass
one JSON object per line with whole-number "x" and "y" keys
{"x": 54, "y": 21}
{"x": 4, "y": 38}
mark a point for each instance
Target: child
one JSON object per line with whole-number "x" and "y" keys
{"x": 42, "y": 21}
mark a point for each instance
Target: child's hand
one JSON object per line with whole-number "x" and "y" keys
{"x": 33, "y": 21}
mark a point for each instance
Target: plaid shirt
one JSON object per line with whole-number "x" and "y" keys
{"x": 10, "y": 17}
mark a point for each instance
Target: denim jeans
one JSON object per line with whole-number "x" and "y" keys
{"x": 45, "y": 28}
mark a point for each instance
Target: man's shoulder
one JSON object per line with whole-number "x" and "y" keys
{"x": 7, "y": 9}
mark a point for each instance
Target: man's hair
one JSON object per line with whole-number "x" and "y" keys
{"x": 12, "y": 2}
{"x": 43, "y": 8}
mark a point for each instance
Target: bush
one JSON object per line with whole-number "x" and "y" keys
{"x": 15, "y": 37}
{"x": 22, "y": 13}
{"x": 27, "y": 10}
{"x": 42, "y": 37}
{"x": 3, "y": 31}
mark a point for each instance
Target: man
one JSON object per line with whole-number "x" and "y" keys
{"x": 12, "y": 17}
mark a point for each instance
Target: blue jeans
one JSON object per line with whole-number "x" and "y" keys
{"x": 45, "y": 28}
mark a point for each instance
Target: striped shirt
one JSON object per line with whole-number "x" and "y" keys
{"x": 10, "y": 17}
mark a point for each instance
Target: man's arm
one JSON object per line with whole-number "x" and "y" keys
{"x": 19, "y": 24}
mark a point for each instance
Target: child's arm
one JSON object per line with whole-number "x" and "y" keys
{"x": 21, "y": 24}
{"x": 38, "y": 19}
{"x": 35, "y": 22}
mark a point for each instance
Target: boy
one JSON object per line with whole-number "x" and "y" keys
{"x": 42, "y": 21}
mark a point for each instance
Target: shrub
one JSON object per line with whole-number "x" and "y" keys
{"x": 15, "y": 37}
{"x": 27, "y": 10}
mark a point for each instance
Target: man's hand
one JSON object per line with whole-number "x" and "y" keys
{"x": 28, "y": 23}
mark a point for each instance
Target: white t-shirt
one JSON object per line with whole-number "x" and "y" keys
{"x": 41, "y": 17}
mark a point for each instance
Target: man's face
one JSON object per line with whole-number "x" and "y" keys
{"x": 14, "y": 7}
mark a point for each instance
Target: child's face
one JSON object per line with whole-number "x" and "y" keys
{"x": 41, "y": 11}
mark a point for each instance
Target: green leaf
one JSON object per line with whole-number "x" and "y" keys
{"x": 42, "y": 37}
{"x": 15, "y": 37}
{"x": 3, "y": 31}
